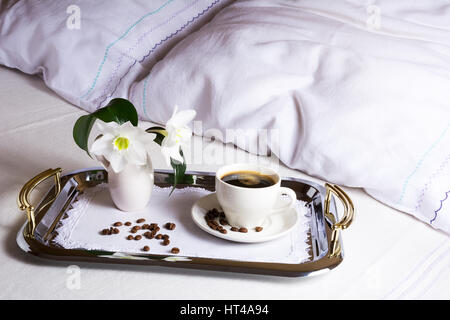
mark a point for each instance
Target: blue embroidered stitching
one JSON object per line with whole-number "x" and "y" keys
{"x": 119, "y": 62}
{"x": 440, "y": 207}
{"x": 429, "y": 182}
{"x": 158, "y": 44}
{"x": 117, "y": 40}
{"x": 405, "y": 184}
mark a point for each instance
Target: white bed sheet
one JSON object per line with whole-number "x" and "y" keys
{"x": 388, "y": 254}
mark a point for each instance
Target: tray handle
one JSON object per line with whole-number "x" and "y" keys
{"x": 23, "y": 199}
{"x": 346, "y": 220}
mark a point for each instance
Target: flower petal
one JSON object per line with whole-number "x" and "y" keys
{"x": 136, "y": 154}
{"x": 180, "y": 119}
{"x": 171, "y": 151}
{"x": 117, "y": 161}
{"x": 102, "y": 144}
{"x": 108, "y": 127}
{"x": 184, "y": 134}
{"x": 133, "y": 152}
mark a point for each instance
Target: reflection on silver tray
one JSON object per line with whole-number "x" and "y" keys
{"x": 324, "y": 238}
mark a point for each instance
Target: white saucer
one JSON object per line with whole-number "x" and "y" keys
{"x": 274, "y": 226}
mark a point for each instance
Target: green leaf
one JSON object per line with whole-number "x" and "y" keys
{"x": 100, "y": 252}
{"x": 187, "y": 179}
{"x": 81, "y": 131}
{"x": 160, "y": 132}
{"x": 118, "y": 110}
{"x": 179, "y": 168}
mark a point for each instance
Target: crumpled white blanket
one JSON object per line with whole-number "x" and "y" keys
{"x": 89, "y": 51}
{"x": 359, "y": 91}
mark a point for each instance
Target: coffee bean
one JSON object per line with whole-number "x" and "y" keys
{"x": 133, "y": 230}
{"x": 165, "y": 236}
{"x": 166, "y": 242}
{"x": 146, "y": 248}
{"x": 223, "y": 222}
{"x": 138, "y": 237}
{"x": 212, "y": 225}
{"x": 175, "y": 250}
{"x": 170, "y": 225}
{"x": 159, "y": 236}
{"x": 213, "y": 213}
{"x": 224, "y": 231}
{"x": 146, "y": 226}
{"x": 137, "y": 227}
{"x": 258, "y": 229}
{"x": 244, "y": 230}
{"x": 104, "y": 232}
{"x": 130, "y": 237}
{"x": 117, "y": 224}
{"x": 128, "y": 223}
{"x": 153, "y": 226}
{"x": 115, "y": 231}
{"x": 140, "y": 220}
{"x": 234, "y": 229}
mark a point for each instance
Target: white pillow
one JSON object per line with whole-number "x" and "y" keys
{"x": 89, "y": 51}
{"x": 357, "y": 101}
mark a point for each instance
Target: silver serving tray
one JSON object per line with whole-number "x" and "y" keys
{"x": 325, "y": 243}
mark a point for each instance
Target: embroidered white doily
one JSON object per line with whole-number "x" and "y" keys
{"x": 94, "y": 211}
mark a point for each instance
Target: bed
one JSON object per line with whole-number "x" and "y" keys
{"x": 398, "y": 246}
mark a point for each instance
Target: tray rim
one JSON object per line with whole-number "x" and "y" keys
{"x": 325, "y": 263}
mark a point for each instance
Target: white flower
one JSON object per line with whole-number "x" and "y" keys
{"x": 122, "y": 144}
{"x": 178, "y": 134}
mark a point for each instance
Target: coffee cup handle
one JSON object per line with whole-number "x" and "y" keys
{"x": 291, "y": 194}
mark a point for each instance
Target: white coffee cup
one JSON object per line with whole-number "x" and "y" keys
{"x": 249, "y": 207}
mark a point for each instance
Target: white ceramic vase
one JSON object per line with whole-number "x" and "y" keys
{"x": 132, "y": 187}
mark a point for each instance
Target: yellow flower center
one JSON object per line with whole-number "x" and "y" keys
{"x": 178, "y": 135}
{"x": 121, "y": 143}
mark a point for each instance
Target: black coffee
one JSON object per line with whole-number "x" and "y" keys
{"x": 249, "y": 179}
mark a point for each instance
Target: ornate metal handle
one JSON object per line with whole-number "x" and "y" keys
{"x": 346, "y": 220}
{"x": 23, "y": 199}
